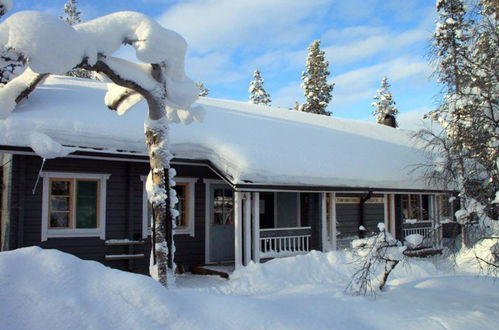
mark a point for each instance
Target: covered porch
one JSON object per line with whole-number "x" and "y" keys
{"x": 274, "y": 224}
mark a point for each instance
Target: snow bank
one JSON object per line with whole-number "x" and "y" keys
{"x": 476, "y": 259}
{"x": 52, "y": 290}
{"x": 250, "y": 143}
{"x": 331, "y": 269}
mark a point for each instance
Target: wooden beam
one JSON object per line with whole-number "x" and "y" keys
{"x": 256, "y": 226}
{"x": 238, "y": 229}
{"x": 247, "y": 228}
{"x": 324, "y": 222}
{"x": 332, "y": 214}
{"x": 21, "y": 193}
{"x": 6, "y": 161}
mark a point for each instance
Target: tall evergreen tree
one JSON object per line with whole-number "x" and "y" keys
{"x": 72, "y": 15}
{"x": 258, "y": 94}
{"x": 384, "y": 105}
{"x": 465, "y": 50}
{"x": 203, "y": 91}
{"x": 317, "y": 91}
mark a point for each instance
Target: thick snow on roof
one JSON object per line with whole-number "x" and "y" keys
{"x": 249, "y": 143}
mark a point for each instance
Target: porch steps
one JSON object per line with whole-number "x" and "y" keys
{"x": 124, "y": 256}
{"x": 222, "y": 271}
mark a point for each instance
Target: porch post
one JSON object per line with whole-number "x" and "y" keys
{"x": 332, "y": 214}
{"x": 238, "y": 230}
{"x": 256, "y": 227}
{"x": 324, "y": 224}
{"x": 391, "y": 220}
{"x": 247, "y": 228}
{"x": 386, "y": 212}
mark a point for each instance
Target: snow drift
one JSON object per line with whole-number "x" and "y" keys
{"x": 53, "y": 290}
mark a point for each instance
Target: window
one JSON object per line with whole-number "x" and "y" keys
{"x": 74, "y": 205}
{"x": 445, "y": 207}
{"x": 185, "y": 205}
{"x": 416, "y": 207}
{"x": 223, "y": 206}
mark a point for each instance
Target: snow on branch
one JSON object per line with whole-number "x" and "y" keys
{"x": 17, "y": 89}
{"x": 50, "y": 45}
{"x": 5, "y": 6}
{"x": 377, "y": 257}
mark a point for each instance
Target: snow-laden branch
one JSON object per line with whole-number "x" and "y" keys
{"x": 17, "y": 89}
{"x": 51, "y": 46}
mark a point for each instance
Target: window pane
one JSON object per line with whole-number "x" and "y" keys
{"x": 60, "y": 188}
{"x": 222, "y": 206}
{"x": 59, "y": 203}
{"x": 86, "y": 204}
{"x": 59, "y": 219}
{"x": 181, "y": 220}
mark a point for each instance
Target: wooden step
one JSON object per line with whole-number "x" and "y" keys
{"x": 114, "y": 242}
{"x": 124, "y": 256}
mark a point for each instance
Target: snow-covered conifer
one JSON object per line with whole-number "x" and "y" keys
{"x": 203, "y": 91}
{"x": 466, "y": 54}
{"x": 384, "y": 104}
{"x": 258, "y": 94}
{"x": 317, "y": 91}
{"x": 72, "y": 15}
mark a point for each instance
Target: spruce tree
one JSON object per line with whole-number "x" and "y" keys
{"x": 317, "y": 91}
{"x": 203, "y": 91}
{"x": 258, "y": 94}
{"x": 384, "y": 105}
{"x": 72, "y": 16}
{"x": 71, "y": 13}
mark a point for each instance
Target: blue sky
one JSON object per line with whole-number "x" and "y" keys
{"x": 363, "y": 39}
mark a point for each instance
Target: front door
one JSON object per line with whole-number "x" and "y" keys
{"x": 221, "y": 223}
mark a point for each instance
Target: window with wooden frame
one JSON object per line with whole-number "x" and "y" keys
{"x": 73, "y": 205}
{"x": 182, "y": 221}
{"x": 416, "y": 207}
{"x": 184, "y": 188}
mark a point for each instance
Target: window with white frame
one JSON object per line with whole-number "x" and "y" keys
{"x": 184, "y": 188}
{"x": 417, "y": 207}
{"x": 74, "y": 205}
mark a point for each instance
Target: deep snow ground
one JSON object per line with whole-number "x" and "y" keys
{"x": 47, "y": 289}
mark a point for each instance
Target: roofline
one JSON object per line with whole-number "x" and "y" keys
{"x": 137, "y": 157}
{"x": 124, "y": 156}
{"x": 307, "y": 188}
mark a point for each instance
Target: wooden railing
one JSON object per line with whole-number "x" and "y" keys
{"x": 432, "y": 237}
{"x": 284, "y": 242}
{"x": 423, "y": 231}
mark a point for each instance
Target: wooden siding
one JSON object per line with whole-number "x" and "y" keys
{"x": 123, "y": 219}
{"x": 310, "y": 205}
{"x": 349, "y": 217}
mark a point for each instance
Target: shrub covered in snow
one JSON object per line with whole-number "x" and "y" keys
{"x": 377, "y": 257}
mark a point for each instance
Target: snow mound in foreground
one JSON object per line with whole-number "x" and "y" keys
{"x": 332, "y": 269}
{"x": 48, "y": 289}
{"x": 60, "y": 291}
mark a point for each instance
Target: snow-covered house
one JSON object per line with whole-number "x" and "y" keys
{"x": 253, "y": 182}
